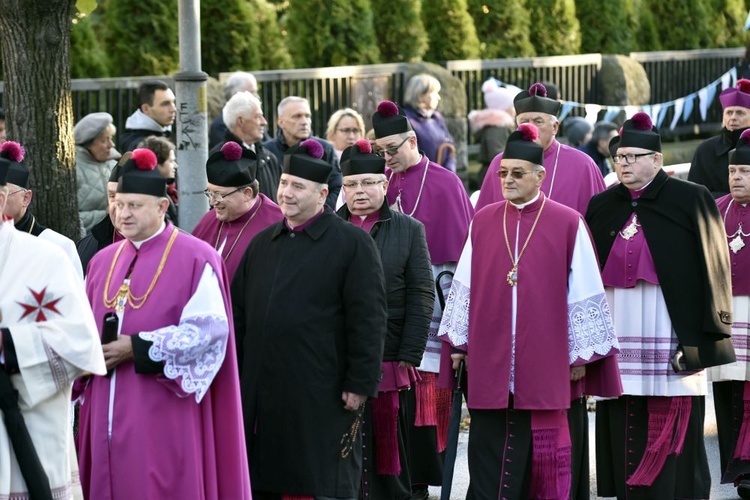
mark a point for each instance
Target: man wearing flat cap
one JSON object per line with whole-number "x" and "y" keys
{"x": 527, "y": 310}
{"x": 711, "y": 158}
{"x": 572, "y": 176}
{"x": 240, "y": 211}
{"x": 731, "y": 383}
{"x": 665, "y": 266}
{"x": 310, "y": 313}
{"x": 95, "y": 158}
{"x": 434, "y": 196}
{"x": 47, "y": 338}
{"x": 408, "y": 280}
{"x": 19, "y": 199}
{"x": 161, "y": 299}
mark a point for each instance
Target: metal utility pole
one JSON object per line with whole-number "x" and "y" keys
{"x": 192, "y": 128}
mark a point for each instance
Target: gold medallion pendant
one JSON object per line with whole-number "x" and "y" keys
{"x": 512, "y": 277}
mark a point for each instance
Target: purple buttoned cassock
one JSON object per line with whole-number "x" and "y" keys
{"x": 573, "y": 182}
{"x": 740, "y": 261}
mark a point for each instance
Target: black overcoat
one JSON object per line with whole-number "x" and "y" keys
{"x": 685, "y": 234}
{"x": 711, "y": 160}
{"x": 310, "y": 318}
{"x": 409, "y": 285}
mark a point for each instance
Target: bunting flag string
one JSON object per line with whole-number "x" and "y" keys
{"x": 683, "y": 106}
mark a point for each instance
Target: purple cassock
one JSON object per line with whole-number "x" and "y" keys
{"x": 231, "y": 239}
{"x": 174, "y": 431}
{"x": 436, "y": 198}
{"x": 572, "y": 178}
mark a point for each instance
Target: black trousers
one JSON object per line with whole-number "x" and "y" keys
{"x": 425, "y": 463}
{"x": 729, "y": 412}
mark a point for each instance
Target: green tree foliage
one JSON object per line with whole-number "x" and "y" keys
{"x": 604, "y": 27}
{"x": 503, "y": 28}
{"x": 272, "y": 45}
{"x": 554, "y": 27}
{"x": 228, "y": 42}
{"x": 399, "y": 30}
{"x": 141, "y": 37}
{"x": 643, "y": 26}
{"x": 331, "y": 33}
{"x": 727, "y": 22}
{"x": 450, "y": 30}
{"x": 87, "y": 57}
{"x": 687, "y": 26}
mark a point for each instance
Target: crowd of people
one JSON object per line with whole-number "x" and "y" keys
{"x": 296, "y": 345}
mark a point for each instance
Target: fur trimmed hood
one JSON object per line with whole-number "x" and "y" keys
{"x": 478, "y": 119}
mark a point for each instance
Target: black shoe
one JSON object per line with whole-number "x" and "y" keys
{"x": 743, "y": 489}
{"x": 423, "y": 492}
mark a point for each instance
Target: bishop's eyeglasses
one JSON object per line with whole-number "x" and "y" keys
{"x": 630, "y": 158}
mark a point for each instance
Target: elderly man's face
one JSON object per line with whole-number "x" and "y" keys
{"x": 739, "y": 183}
{"x": 296, "y": 122}
{"x": 17, "y": 202}
{"x": 229, "y": 203}
{"x": 519, "y": 180}
{"x": 250, "y": 126}
{"x": 547, "y": 125}
{"x": 736, "y": 117}
{"x": 644, "y": 168}
{"x": 365, "y": 193}
{"x": 299, "y": 199}
{"x": 139, "y": 216}
{"x": 111, "y": 204}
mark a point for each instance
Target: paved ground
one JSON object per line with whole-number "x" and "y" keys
{"x": 718, "y": 491}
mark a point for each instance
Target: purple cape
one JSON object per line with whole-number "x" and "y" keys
{"x": 542, "y": 367}
{"x": 576, "y": 179}
{"x": 444, "y": 207}
{"x": 161, "y": 445}
{"x": 740, "y": 261}
{"x": 263, "y": 214}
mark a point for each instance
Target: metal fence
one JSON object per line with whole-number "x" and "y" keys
{"x": 672, "y": 75}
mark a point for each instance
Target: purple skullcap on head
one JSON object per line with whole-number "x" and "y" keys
{"x": 139, "y": 175}
{"x": 389, "y": 119}
{"x": 739, "y": 95}
{"x": 741, "y": 155}
{"x": 359, "y": 159}
{"x": 521, "y": 145}
{"x": 18, "y": 173}
{"x": 638, "y": 132}
{"x": 304, "y": 160}
{"x": 232, "y": 166}
{"x": 535, "y": 100}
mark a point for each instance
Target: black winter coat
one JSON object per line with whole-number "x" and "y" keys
{"x": 310, "y": 320}
{"x": 408, "y": 283}
{"x": 711, "y": 161}
{"x": 685, "y": 234}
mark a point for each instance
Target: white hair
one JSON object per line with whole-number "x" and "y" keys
{"x": 238, "y": 105}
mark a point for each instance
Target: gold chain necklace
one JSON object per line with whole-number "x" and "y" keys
{"x": 512, "y": 276}
{"x": 124, "y": 294}
{"x": 221, "y": 227}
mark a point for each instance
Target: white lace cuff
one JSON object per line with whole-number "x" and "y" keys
{"x": 192, "y": 351}
{"x": 590, "y": 328}
{"x": 455, "y": 323}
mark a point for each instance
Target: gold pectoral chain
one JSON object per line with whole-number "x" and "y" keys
{"x": 512, "y": 276}
{"x": 124, "y": 295}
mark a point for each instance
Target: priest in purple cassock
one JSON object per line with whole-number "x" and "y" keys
{"x": 166, "y": 421}
{"x": 240, "y": 211}
{"x": 731, "y": 383}
{"x": 572, "y": 176}
{"x": 665, "y": 267}
{"x": 527, "y": 310}
{"x": 434, "y": 196}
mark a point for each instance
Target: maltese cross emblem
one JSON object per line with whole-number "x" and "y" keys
{"x": 42, "y": 303}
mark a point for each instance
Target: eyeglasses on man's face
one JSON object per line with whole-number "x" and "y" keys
{"x": 391, "y": 151}
{"x": 22, "y": 190}
{"x": 516, "y": 174}
{"x": 220, "y": 196}
{"x": 366, "y": 183}
{"x": 630, "y": 158}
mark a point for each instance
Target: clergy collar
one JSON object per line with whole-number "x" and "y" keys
{"x": 521, "y": 206}
{"x": 242, "y": 218}
{"x": 314, "y": 227}
{"x": 650, "y": 191}
{"x": 138, "y": 244}
{"x": 637, "y": 193}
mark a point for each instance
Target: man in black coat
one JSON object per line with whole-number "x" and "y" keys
{"x": 294, "y": 121}
{"x": 711, "y": 158}
{"x": 665, "y": 267}
{"x": 155, "y": 115}
{"x": 310, "y": 321}
{"x": 246, "y": 126}
{"x": 408, "y": 282}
